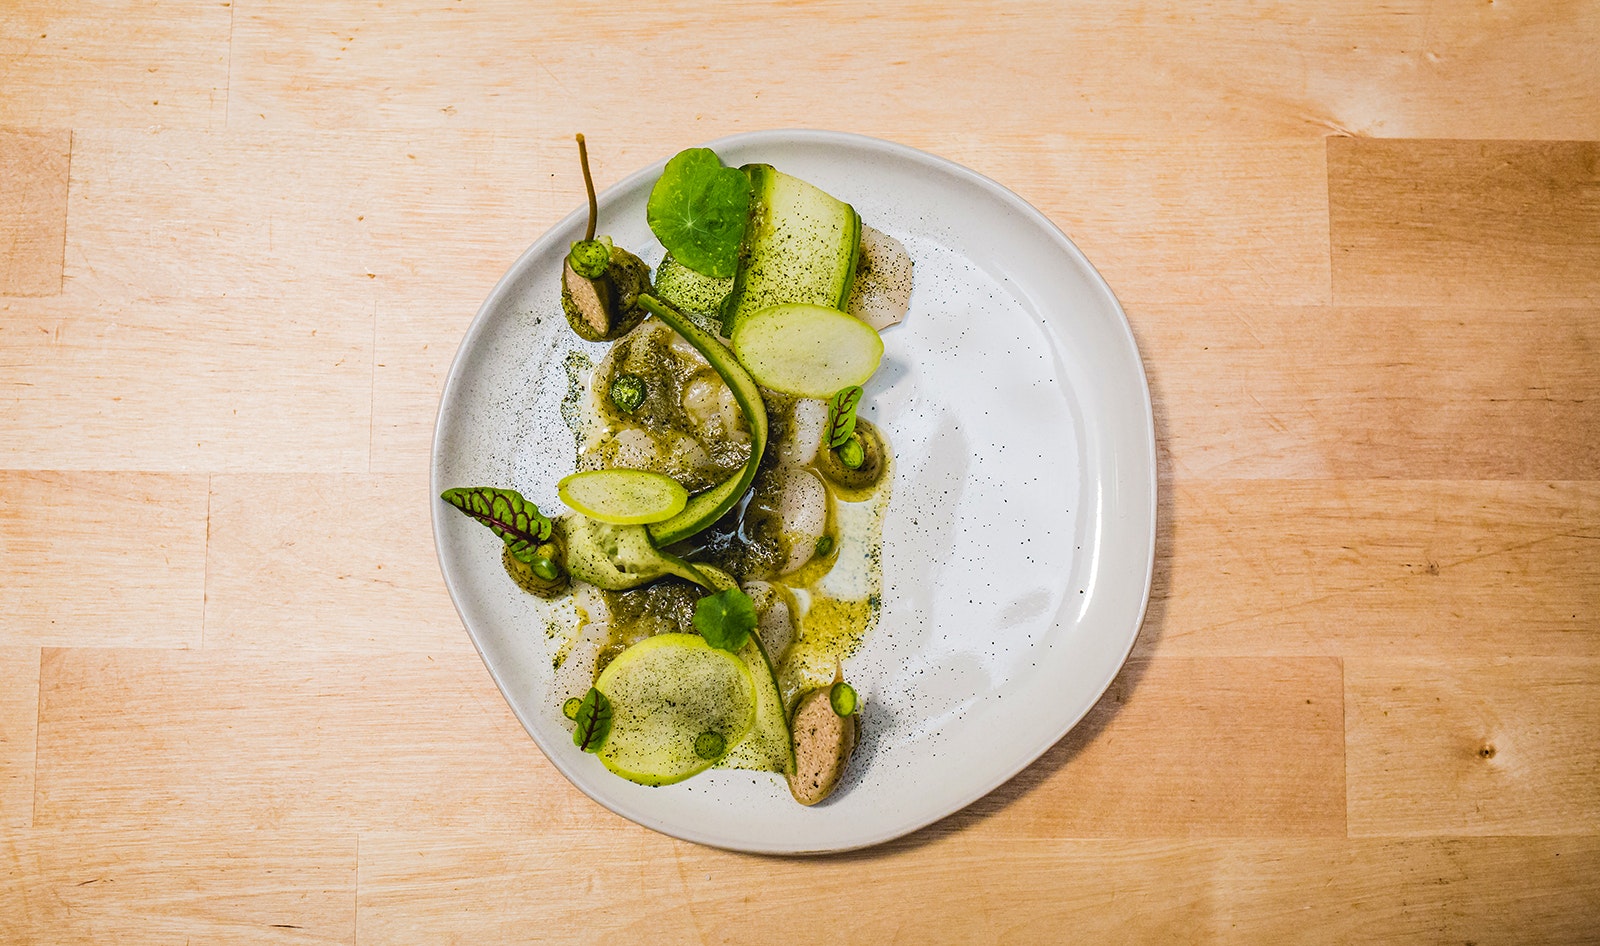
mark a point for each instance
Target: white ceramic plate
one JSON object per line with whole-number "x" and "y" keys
{"x": 1020, "y": 537}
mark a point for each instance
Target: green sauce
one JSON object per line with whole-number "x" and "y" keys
{"x": 834, "y": 599}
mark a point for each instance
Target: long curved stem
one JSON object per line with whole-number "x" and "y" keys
{"x": 588, "y": 185}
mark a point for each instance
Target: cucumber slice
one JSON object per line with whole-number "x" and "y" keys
{"x": 801, "y": 245}
{"x": 695, "y": 294}
{"x": 666, "y": 692}
{"x": 807, "y": 350}
{"x": 707, "y": 507}
{"x": 623, "y": 497}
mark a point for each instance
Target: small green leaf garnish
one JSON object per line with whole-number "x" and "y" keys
{"x": 710, "y": 745}
{"x": 842, "y": 416}
{"x": 589, "y": 258}
{"x": 594, "y": 721}
{"x": 823, "y": 547}
{"x": 627, "y": 393}
{"x": 569, "y": 709}
{"x": 842, "y": 697}
{"x": 852, "y": 454}
{"x": 507, "y": 515}
{"x": 725, "y": 619}
{"x": 698, "y": 210}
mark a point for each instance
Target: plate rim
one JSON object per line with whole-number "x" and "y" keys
{"x": 783, "y": 136}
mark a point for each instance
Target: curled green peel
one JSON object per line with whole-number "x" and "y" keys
{"x": 707, "y": 507}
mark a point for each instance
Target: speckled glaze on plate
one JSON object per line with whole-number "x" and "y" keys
{"x": 1020, "y": 537}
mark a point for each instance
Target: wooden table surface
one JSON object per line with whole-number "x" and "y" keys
{"x": 1359, "y": 245}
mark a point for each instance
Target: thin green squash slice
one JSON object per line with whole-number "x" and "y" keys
{"x": 801, "y": 245}
{"x": 623, "y": 497}
{"x": 673, "y": 696}
{"x": 807, "y": 350}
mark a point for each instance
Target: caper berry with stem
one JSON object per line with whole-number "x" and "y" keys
{"x": 600, "y": 282}
{"x": 590, "y": 258}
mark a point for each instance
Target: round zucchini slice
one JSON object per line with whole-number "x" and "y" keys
{"x": 673, "y": 696}
{"x": 807, "y": 350}
{"x": 624, "y": 497}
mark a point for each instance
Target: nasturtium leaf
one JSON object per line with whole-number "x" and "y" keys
{"x": 725, "y": 619}
{"x": 698, "y": 211}
{"x": 842, "y": 415}
{"x": 507, "y": 515}
{"x": 594, "y": 721}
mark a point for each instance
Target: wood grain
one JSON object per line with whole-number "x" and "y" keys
{"x": 1378, "y": 568}
{"x": 1488, "y": 223}
{"x": 1249, "y": 747}
{"x": 176, "y": 885}
{"x": 1406, "y": 393}
{"x": 183, "y": 384}
{"x": 101, "y": 558}
{"x": 1435, "y": 890}
{"x": 19, "y": 715}
{"x": 1450, "y": 747}
{"x": 235, "y": 740}
{"x": 1176, "y": 219}
{"x": 430, "y": 885}
{"x": 33, "y": 210}
{"x": 1158, "y": 68}
{"x": 1359, "y": 247}
{"x": 349, "y": 558}
{"x": 115, "y": 62}
{"x": 416, "y": 343}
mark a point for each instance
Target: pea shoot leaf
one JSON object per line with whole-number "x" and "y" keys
{"x": 507, "y": 515}
{"x": 698, "y": 211}
{"x": 725, "y": 619}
